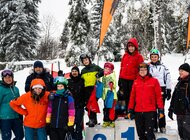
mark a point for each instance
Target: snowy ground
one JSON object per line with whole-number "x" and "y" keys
{"x": 172, "y": 61}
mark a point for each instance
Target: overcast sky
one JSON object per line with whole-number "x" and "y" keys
{"x": 59, "y": 9}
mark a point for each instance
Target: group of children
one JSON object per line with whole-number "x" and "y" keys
{"x": 143, "y": 89}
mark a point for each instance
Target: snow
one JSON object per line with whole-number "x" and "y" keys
{"x": 172, "y": 61}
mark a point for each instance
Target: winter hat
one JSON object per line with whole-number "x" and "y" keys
{"x": 185, "y": 67}
{"x": 37, "y": 86}
{"x": 37, "y": 83}
{"x": 38, "y": 64}
{"x": 144, "y": 65}
{"x": 109, "y": 65}
{"x": 75, "y": 68}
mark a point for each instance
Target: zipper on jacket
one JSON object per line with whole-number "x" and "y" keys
{"x": 12, "y": 91}
{"x": 57, "y": 121}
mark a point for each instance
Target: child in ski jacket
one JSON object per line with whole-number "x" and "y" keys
{"x": 76, "y": 86}
{"x": 90, "y": 73}
{"x": 109, "y": 94}
{"x": 144, "y": 100}
{"x": 9, "y": 119}
{"x": 61, "y": 110}
{"x": 35, "y": 103}
{"x": 161, "y": 72}
{"x": 129, "y": 69}
{"x": 180, "y": 104}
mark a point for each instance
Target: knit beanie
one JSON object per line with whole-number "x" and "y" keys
{"x": 75, "y": 68}
{"x": 38, "y": 64}
{"x": 185, "y": 67}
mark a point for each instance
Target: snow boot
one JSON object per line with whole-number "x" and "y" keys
{"x": 112, "y": 124}
{"x": 105, "y": 124}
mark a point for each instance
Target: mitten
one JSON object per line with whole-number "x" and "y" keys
{"x": 168, "y": 94}
{"x": 161, "y": 113}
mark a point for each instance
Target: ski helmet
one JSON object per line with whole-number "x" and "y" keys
{"x": 155, "y": 52}
{"x": 6, "y": 72}
{"x": 60, "y": 80}
{"x": 83, "y": 56}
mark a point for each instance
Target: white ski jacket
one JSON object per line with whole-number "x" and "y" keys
{"x": 161, "y": 72}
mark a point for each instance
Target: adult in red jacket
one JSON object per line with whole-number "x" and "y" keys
{"x": 129, "y": 69}
{"x": 144, "y": 100}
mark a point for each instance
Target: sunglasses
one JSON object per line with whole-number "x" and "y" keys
{"x": 6, "y": 72}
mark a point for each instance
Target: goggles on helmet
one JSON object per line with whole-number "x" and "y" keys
{"x": 6, "y": 72}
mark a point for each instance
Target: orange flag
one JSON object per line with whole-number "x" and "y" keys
{"x": 109, "y": 8}
{"x": 188, "y": 31}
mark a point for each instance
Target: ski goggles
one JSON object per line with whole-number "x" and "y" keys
{"x": 6, "y": 72}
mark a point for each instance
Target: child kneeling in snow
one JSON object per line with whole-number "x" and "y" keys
{"x": 109, "y": 95}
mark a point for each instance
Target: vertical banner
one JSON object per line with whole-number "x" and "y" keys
{"x": 188, "y": 32}
{"x": 109, "y": 8}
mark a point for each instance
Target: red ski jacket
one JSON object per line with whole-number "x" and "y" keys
{"x": 145, "y": 95}
{"x": 130, "y": 63}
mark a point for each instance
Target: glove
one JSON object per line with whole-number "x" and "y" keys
{"x": 130, "y": 115}
{"x": 69, "y": 128}
{"x": 51, "y": 96}
{"x": 111, "y": 86}
{"x": 170, "y": 114}
{"x": 168, "y": 94}
{"x": 161, "y": 113}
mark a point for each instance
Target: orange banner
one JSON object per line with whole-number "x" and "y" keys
{"x": 109, "y": 8}
{"x": 188, "y": 32}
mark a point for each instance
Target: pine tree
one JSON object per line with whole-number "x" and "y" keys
{"x": 79, "y": 25}
{"x": 21, "y": 30}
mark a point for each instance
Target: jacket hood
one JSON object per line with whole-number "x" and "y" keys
{"x": 37, "y": 82}
{"x": 134, "y": 42}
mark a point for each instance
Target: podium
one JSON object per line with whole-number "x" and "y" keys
{"x": 124, "y": 130}
{"x": 99, "y": 133}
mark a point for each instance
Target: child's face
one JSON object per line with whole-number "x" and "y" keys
{"x": 183, "y": 74}
{"x": 86, "y": 61}
{"x": 60, "y": 86}
{"x": 107, "y": 71}
{"x": 154, "y": 58}
{"x": 37, "y": 91}
{"x": 143, "y": 72}
{"x": 74, "y": 73}
{"x": 8, "y": 79}
{"x": 131, "y": 47}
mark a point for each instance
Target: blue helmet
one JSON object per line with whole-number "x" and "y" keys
{"x": 60, "y": 80}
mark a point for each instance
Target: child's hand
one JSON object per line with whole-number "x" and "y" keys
{"x": 111, "y": 85}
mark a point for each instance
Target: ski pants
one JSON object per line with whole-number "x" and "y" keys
{"x": 126, "y": 86}
{"x": 57, "y": 133}
{"x": 9, "y": 125}
{"x": 183, "y": 123}
{"x": 160, "y": 122}
{"x": 79, "y": 112}
{"x": 145, "y": 125}
{"x": 88, "y": 92}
